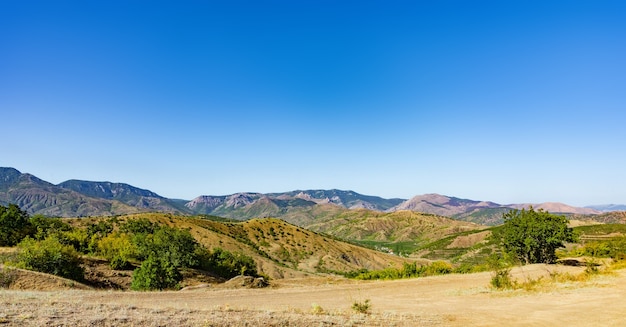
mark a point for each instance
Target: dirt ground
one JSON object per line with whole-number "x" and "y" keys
{"x": 452, "y": 300}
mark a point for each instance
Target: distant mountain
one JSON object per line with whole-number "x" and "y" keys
{"x": 128, "y": 194}
{"x": 442, "y": 205}
{"x": 346, "y": 199}
{"x": 480, "y": 212}
{"x": 608, "y": 207}
{"x": 557, "y": 208}
{"x": 40, "y": 197}
{"x": 78, "y": 198}
{"x": 251, "y": 205}
{"x": 74, "y": 198}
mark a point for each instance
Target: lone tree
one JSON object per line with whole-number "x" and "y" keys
{"x": 533, "y": 236}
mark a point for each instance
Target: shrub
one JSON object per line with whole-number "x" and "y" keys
{"x": 139, "y": 226}
{"x": 362, "y": 307}
{"x": 120, "y": 263}
{"x": 77, "y": 238}
{"x": 501, "y": 276}
{"x": 438, "y": 268}
{"x": 226, "y": 264}
{"x": 501, "y": 279}
{"x": 14, "y": 225}
{"x": 44, "y": 226}
{"x": 316, "y": 309}
{"x": 174, "y": 245}
{"x": 118, "y": 249}
{"x": 7, "y": 277}
{"x": 613, "y": 248}
{"x": 155, "y": 274}
{"x": 51, "y": 257}
{"x": 408, "y": 270}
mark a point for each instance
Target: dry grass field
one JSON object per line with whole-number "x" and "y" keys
{"x": 450, "y": 300}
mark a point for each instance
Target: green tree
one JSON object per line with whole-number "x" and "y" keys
{"x": 174, "y": 245}
{"x": 532, "y": 236}
{"x": 14, "y": 225}
{"x": 155, "y": 274}
{"x": 44, "y": 226}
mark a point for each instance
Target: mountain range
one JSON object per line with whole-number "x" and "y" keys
{"x": 76, "y": 198}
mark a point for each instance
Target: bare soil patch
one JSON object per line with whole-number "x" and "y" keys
{"x": 466, "y": 241}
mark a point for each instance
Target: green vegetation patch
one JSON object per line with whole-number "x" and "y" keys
{"x": 600, "y": 229}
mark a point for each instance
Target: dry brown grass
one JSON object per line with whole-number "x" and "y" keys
{"x": 47, "y": 309}
{"x": 451, "y": 300}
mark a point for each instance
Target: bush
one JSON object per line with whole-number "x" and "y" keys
{"x": 362, "y": 307}
{"x": 501, "y": 279}
{"x": 174, "y": 245}
{"x": 120, "y": 263}
{"x": 155, "y": 274}
{"x": 51, "y": 257}
{"x": 438, "y": 268}
{"x": 77, "y": 238}
{"x": 408, "y": 270}
{"x": 118, "y": 249}
{"x": 226, "y": 264}
{"x": 44, "y": 226}
{"x": 139, "y": 226}
{"x": 14, "y": 225}
{"x": 7, "y": 277}
{"x": 613, "y": 248}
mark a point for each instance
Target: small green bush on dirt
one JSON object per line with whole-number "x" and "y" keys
{"x": 362, "y": 307}
{"x": 51, "y": 257}
{"x": 501, "y": 279}
{"x": 7, "y": 277}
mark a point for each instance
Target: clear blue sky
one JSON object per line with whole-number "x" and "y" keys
{"x": 508, "y": 101}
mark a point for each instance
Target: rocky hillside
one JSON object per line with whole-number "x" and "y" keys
{"x": 128, "y": 194}
{"x": 442, "y": 205}
{"x": 251, "y": 205}
{"x": 75, "y": 198}
{"x": 78, "y": 198}
{"x": 40, "y": 197}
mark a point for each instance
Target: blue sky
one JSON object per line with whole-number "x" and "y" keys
{"x": 508, "y": 101}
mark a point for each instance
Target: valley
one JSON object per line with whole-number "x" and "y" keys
{"x": 310, "y": 248}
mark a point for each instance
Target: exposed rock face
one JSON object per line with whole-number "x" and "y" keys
{"x": 442, "y": 205}
{"x": 206, "y": 202}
